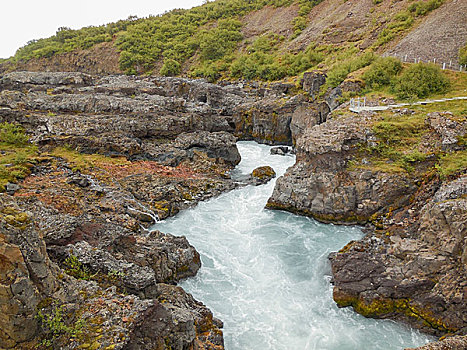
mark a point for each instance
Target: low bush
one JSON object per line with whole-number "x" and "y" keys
{"x": 420, "y": 80}
{"x": 170, "y": 68}
{"x": 421, "y": 8}
{"x": 13, "y": 134}
{"x": 381, "y": 72}
{"x": 463, "y": 55}
{"x": 340, "y": 70}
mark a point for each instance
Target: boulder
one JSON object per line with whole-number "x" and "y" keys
{"x": 262, "y": 175}
{"x": 312, "y": 82}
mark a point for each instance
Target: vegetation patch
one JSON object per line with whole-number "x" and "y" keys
{"x": 341, "y": 69}
{"x": 450, "y": 164}
{"x": 17, "y": 155}
{"x": 381, "y": 72}
{"x": 405, "y": 19}
{"x": 56, "y": 325}
{"x": 76, "y": 268}
{"x": 421, "y": 80}
{"x": 463, "y": 55}
{"x": 86, "y": 162}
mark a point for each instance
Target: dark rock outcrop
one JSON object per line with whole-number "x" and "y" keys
{"x": 416, "y": 273}
{"x": 91, "y": 110}
{"x": 450, "y": 343}
{"x": 411, "y": 265}
{"x": 42, "y": 247}
{"x": 319, "y": 184}
{"x": 312, "y": 82}
{"x": 262, "y": 175}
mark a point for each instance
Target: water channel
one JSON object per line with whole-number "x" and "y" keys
{"x": 266, "y": 274}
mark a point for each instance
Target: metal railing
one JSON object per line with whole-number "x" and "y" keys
{"x": 451, "y": 65}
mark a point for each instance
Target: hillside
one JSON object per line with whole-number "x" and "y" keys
{"x": 263, "y": 39}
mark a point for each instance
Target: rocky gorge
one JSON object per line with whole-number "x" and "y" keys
{"x": 115, "y": 153}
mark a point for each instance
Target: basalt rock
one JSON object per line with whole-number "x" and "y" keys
{"x": 412, "y": 265}
{"x": 414, "y": 272}
{"x": 26, "y": 274}
{"x": 450, "y": 343}
{"x": 262, "y": 175}
{"x": 448, "y": 131}
{"x": 312, "y": 82}
{"x": 320, "y": 185}
{"x": 143, "y": 110}
{"x": 47, "y": 244}
{"x": 282, "y": 150}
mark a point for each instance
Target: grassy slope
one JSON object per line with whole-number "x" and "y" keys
{"x": 258, "y": 39}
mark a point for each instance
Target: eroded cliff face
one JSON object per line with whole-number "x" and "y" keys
{"x": 79, "y": 267}
{"x": 416, "y": 273}
{"x": 92, "y": 110}
{"x": 112, "y": 155}
{"x": 411, "y": 264}
{"x": 112, "y": 302}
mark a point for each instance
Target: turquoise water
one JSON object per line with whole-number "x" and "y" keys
{"x": 266, "y": 274}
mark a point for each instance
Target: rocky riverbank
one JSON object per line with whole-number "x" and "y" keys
{"x": 398, "y": 172}
{"x": 109, "y": 155}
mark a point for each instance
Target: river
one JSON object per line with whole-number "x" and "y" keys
{"x": 266, "y": 274}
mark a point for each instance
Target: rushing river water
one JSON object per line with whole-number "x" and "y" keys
{"x": 266, "y": 274}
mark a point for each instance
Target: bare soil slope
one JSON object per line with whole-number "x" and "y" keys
{"x": 439, "y": 37}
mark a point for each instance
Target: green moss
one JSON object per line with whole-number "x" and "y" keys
{"x": 163, "y": 206}
{"x": 383, "y": 307}
{"x": 15, "y": 217}
{"x": 325, "y": 218}
{"x": 264, "y": 172}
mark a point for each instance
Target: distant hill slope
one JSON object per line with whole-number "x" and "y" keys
{"x": 440, "y": 36}
{"x": 258, "y": 39}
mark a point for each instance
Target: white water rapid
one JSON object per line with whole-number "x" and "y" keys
{"x": 266, "y": 274}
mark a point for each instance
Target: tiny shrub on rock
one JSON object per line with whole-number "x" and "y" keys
{"x": 463, "y": 55}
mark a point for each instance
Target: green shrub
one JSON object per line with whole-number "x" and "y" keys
{"x": 75, "y": 268}
{"x": 421, "y": 8}
{"x": 463, "y": 55}
{"x": 402, "y": 21}
{"x": 170, "y": 68}
{"x": 381, "y": 72}
{"x": 216, "y": 43}
{"x": 299, "y": 24}
{"x": 340, "y": 70}
{"x": 208, "y": 70}
{"x": 420, "y": 80}
{"x": 13, "y": 134}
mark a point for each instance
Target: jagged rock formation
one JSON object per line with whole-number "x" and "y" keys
{"x": 417, "y": 273}
{"x": 100, "y": 317}
{"x": 411, "y": 266}
{"x": 175, "y": 137}
{"x": 451, "y": 343}
{"x": 164, "y": 144}
{"x": 320, "y": 186}
{"x": 88, "y": 111}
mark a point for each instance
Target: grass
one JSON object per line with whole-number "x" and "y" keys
{"x": 457, "y": 107}
{"x": 402, "y": 144}
{"x": 17, "y": 155}
{"x": 452, "y": 164}
{"x": 83, "y": 162}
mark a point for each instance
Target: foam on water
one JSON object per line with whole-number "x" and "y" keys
{"x": 266, "y": 274}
